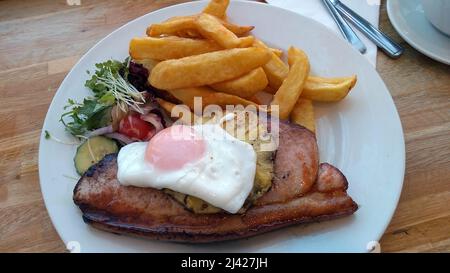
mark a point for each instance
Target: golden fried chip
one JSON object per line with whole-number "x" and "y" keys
{"x": 208, "y": 68}
{"x": 172, "y": 47}
{"x": 237, "y": 29}
{"x": 217, "y": 8}
{"x": 289, "y": 92}
{"x": 328, "y": 90}
{"x": 172, "y": 26}
{"x": 210, "y": 27}
{"x": 245, "y": 86}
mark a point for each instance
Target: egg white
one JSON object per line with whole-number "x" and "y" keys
{"x": 223, "y": 177}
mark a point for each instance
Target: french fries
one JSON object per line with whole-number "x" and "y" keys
{"x": 245, "y": 86}
{"x": 276, "y": 70}
{"x": 289, "y": 92}
{"x": 328, "y": 90}
{"x": 208, "y": 68}
{"x": 303, "y": 114}
{"x": 209, "y": 96}
{"x": 217, "y": 8}
{"x": 185, "y": 25}
{"x": 172, "y": 47}
{"x": 209, "y": 27}
{"x": 204, "y": 55}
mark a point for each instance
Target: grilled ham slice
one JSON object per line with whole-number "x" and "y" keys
{"x": 302, "y": 191}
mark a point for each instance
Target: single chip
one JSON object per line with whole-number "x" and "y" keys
{"x": 328, "y": 90}
{"x": 217, "y": 8}
{"x": 208, "y": 68}
{"x": 211, "y": 28}
{"x": 292, "y": 87}
{"x": 172, "y": 47}
{"x": 172, "y": 26}
{"x": 245, "y": 86}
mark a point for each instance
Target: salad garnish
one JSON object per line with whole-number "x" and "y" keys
{"x": 121, "y": 110}
{"x": 110, "y": 86}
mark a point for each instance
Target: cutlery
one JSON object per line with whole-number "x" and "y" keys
{"x": 345, "y": 29}
{"x": 390, "y": 47}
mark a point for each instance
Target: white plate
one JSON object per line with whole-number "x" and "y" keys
{"x": 361, "y": 135}
{"x": 316, "y": 10}
{"x": 408, "y": 18}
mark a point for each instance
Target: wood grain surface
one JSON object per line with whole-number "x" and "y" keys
{"x": 40, "y": 41}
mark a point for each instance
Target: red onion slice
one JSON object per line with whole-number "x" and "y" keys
{"x": 101, "y": 131}
{"x": 155, "y": 120}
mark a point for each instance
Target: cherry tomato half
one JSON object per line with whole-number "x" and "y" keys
{"x": 134, "y": 127}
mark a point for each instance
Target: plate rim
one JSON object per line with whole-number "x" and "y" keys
{"x": 397, "y": 116}
{"x": 393, "y": 18}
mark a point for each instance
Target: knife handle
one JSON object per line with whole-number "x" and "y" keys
{"x": 391, "y": 48}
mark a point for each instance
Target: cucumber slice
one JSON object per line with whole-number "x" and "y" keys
{"x": 92, "y": 151}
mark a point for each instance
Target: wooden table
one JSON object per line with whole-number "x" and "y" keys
{"x": 41, "y": 40}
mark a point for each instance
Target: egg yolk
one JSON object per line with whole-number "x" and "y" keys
{"x": 174, "y": 147}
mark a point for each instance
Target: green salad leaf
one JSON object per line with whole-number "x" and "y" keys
{"x": 110, "y": 86}
{"x": 89, "y": 115}
{"x": 103, "y": 69}
{"x": 94, "y": 111}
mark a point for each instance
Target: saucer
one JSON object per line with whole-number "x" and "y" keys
{"x": 408, "y": 18}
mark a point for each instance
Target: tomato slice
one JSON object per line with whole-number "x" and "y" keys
{"x": 134, "y": 127}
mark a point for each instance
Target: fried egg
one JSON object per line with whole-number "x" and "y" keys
{"x": 201, "y": 160}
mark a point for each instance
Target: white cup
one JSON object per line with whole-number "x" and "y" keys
{"x": 438, "y": 13}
